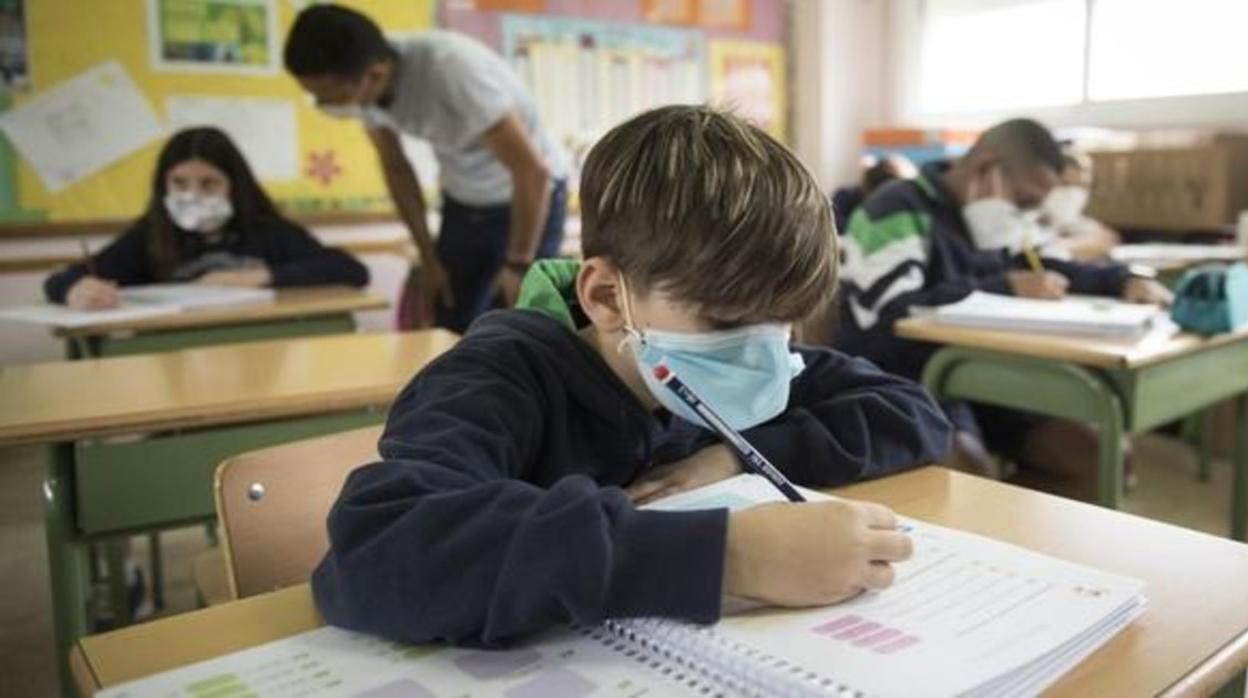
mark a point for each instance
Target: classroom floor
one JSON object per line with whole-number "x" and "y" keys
{"x": 1168, "y": 490}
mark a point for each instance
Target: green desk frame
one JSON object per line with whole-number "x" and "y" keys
{"x": 1119, "y": 401}
{"x": 99, "y": 490}
{"x": 153, "y": 341}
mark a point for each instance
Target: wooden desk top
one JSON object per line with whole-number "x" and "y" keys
{"x": 1088, "y": 351}
{"x": 1192, "y": 637}
{"x": 290, "y": 303}
{"x": 69, "y": 400}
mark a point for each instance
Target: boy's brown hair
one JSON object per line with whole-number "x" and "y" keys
{"x": 712, "y": 210}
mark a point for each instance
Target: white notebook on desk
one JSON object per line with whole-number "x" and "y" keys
{"x": 142, "y": 302}
{"x": 1177, "y": 252}
{"x": 967, "y": 616}
{"x": 1084, "y": 316}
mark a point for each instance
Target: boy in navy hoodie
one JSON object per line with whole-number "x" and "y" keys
{"x": 952, "y": 230}
{"x": 513, "y": 466}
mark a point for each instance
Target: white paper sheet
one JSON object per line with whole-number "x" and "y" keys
{"x": 1178, "y": 252}
{"x": 265, "y": 130}
{"x": 82, "y": 125}
{"x": 1084, "y": 316}
{"x": 141, "y": 302}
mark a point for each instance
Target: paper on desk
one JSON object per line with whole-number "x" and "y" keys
{"x": 82, "y": 125}
{"x": 60, "y": 316}
{"x": 265, "y": 130}
{"x": 1176, "y": 252}
{"x": 140, "y": 303}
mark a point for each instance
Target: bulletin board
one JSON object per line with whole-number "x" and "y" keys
{"x": 591, "y": 65}
{"x": 191, "y": 62}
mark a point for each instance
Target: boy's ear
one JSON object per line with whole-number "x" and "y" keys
{"x": 598, "y": 290}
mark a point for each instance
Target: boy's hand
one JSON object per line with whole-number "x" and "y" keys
{"x": 711, "y": 464}
{"x": 1049, "y": 285}
{"x": 92, "y": 293}
{"x": 1140, "y": 290}
{"x": 811, "y": 554}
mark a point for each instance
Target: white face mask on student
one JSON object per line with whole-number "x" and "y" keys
{"x": 198, "y": 213}
{"x": 993, "y": 223}
{"x": 1064, "y": 205}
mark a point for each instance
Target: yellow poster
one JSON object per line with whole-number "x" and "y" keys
{"x": 237, "y": 48}
{"x": 749, "y": 78}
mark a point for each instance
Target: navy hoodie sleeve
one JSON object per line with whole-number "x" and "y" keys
{"x": 444, "y": 540}
{"x": 123, "y": 261}
{"x": 1093, "y": 279}
{"x": 848, "y": 420}
{"x": 295, "y": 258}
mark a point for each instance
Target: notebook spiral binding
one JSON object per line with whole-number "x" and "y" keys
{"x": 721, "y": 668}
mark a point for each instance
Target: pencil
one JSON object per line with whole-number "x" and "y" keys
{"x": 1033, "y": 258}
{"x": 750, "y": 457}
{"x": 86, "y": 257}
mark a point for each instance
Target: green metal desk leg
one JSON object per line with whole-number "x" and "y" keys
{"x": 1109, "y": 490}
{"x": 158, "y": 570}
{"x": 65, "y": 557}
{"x": 1204, "y": 434}
{"x": 117, "y": 552}
{"x": 1239, "y": 491}
{"x": 1052, "y": 388}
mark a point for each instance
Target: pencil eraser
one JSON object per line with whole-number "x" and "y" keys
{"x": 662, "y": 372}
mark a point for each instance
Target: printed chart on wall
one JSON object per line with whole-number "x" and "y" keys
{"x": 749, "y": 78}
{"x": 87, "y": 104}
{"x": 592, "y": 65}
{"x": 614, "y": 70}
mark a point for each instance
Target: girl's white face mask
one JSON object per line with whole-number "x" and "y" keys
{"x": 198, "y": 213}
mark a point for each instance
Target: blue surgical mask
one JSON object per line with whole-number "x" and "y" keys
{"x": 743, "y": 374}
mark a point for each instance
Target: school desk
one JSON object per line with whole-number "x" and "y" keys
{"x": 1192, "y": 638}
{"x": 194, "y": 408}
{"x": 294, "y": 312}
{"x": 1121, "y": 388}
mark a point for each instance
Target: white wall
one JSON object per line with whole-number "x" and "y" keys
{"x": 838, "y": 82}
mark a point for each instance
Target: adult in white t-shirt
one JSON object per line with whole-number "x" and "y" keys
{"x": 503, "y": 178}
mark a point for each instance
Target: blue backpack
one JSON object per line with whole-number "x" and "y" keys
{"x": 1212, "y": 299}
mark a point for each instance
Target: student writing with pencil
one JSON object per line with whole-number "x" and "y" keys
{"x": 955, "y": 229}
{"x": 506, "y": 498}
{"x": 207, "y": 221}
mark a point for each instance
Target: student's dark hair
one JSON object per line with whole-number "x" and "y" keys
{"x": 712, "y": 210}
{"x": 334, "y": 40}
{"x": 878, "y": 175}
{"x": 213, "y": 146}
{"x": 1023, "y": 144}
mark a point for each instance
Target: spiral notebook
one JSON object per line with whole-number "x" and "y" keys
{"x": 967, "y": 616}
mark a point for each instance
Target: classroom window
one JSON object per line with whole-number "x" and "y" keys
{"x": 986, "y": 55}
{"x": 1000, "y": 54}
{"x": 1164, "y": 48}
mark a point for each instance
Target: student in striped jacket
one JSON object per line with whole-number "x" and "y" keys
{"x": 912, "y": 243}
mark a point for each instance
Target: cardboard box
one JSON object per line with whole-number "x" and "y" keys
{"x": 1197, "y": 187}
